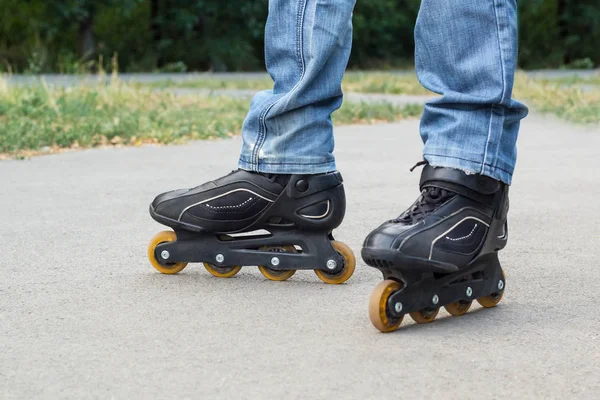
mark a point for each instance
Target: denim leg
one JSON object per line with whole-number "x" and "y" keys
{"x": 288, "y": 129}
{"x": 466, "y": 50}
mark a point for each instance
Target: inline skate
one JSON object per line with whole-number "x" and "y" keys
{"x": 442, "y": 251}
{"x": 280, "y": 223}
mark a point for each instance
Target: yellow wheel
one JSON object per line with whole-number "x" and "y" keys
{"x": 424, "y": 316}
{"x": 493, "y": 299}
{"x": 159, "y": 238}
{"x": 274, "y": 274}
{"x": 458, "y": 308}
{"x": 222, "y": 272}
{"x": 378, "y": 306}
{"x": 349, "y": 265}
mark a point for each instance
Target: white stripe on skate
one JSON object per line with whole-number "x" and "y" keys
{"x": 449, "y": 230}
{"x": 221, "y": 195}
{"x": 318, "y": 216}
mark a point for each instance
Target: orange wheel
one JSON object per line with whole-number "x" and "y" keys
{"x": 349, "y": 265}
{"x": 458, "y": 308}
{"x": 424, "y": 316}
{"x": 222, "y": 272}
{"x": 378, "y": 306}
{"x": 275, "y": 274}
{"x": 159, "y": 238}
{"x": 493, "y": 299}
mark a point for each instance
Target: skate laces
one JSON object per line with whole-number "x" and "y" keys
{"x": 430, "y": 199}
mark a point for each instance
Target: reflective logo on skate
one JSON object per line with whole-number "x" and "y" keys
{"x": 317, "y": 216}
{"x": 447, "y": 236}
{"x": 219, "y": 196}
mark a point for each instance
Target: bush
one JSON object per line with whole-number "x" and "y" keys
{"x": 70, "y": 35}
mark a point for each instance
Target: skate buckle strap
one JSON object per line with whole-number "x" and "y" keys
{"x": 439, "y": 176}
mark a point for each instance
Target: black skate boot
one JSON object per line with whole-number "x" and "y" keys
{"x": 245, "y": 217}
{"x": 442, "y": 251}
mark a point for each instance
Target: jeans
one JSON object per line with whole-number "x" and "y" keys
{"x": 466, "y": 50}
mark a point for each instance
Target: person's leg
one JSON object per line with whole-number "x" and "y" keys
{"x": 466, "y": 50}
{"x": 444, "y": 247}
{"x": 288, "y": 129}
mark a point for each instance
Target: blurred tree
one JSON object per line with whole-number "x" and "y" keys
{"x": 177, "y": 35}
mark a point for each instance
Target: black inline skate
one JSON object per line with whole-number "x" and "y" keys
{"x": 442, "y": 251}
{"x": 280, "y": 223}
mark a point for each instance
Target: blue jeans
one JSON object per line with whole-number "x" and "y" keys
{"x": 466, "y": 50}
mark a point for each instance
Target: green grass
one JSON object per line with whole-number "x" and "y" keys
{"x": 567, "y": 101}
{"x": 562, "y": 97}
{"x": 362, "y": 82}
{"x": 574, "y": 80}
{"x": 42, "y": 119}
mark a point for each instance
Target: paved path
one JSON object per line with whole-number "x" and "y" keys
{"x": 84, "y": 315}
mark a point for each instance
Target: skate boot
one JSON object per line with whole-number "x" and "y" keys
{"x": 442, "y": 251}
{"x": 280, "y": 223}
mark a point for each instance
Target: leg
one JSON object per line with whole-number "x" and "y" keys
{"x": 288, "y": 129}
{"x": 466, "y": 50}
{"x": 444, "y": 247}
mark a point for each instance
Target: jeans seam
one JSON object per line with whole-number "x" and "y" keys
{"x": 502, "y": 94}
{"x": 262, "y": 133}
{"x": 466, "y": 159}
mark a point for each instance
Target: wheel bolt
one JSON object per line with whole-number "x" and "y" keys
{"x": 469, "y": 291}
{"x": 435, "y": 299}
{"x": 500, "y": 284}
{"x": 165, "y": 254}
{"x": 220, "y": 258}
{"x": 331, "y": 264}
{"x": 274, "y": 261}
{"x": 398, "y": 307}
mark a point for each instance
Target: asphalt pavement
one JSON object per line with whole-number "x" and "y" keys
{"x": 84, "y": 315}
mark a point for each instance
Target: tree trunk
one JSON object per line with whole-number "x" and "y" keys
{"x": 87, "y": 37}
{"x": 563, "y": 29}
{"x": 155, "y": 28}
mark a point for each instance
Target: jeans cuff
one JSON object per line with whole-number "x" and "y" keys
{"x": 469, "y": 167}
{"x": 287, "y": 167}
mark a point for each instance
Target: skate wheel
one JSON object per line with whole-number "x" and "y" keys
{"x": 378, "y": 306}
{"x": 349, "y": 265}
{"x": 458, "y": 308}
{"x": 493, "y": 299}
{"x": 222, "y": 272}
{"x": 424, "y": 316}
{"x": 159, "y": 238}
{"x": 275, "y": 274}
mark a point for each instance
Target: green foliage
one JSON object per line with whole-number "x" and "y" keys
{"x": 559, "y": 32}
{"x": 71, "y": 36}
{"x": 39, "y": 117}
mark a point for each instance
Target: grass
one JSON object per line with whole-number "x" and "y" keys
{"x": 361, "y": 82}
{"x": 42, "y": 119}
{"x": 575, "y": 80}
{"x": 567, "y": 101}
{"x": 562, "y": 97}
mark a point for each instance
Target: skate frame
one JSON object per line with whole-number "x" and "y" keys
{"x": 429, "y": 290}
{"x": 316, "y": 250}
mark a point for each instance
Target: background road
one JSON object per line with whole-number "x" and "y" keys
{"x": 84, "y": 315}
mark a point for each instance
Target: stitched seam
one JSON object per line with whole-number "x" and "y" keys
{"x": 463, "y": 237}
{"x": 262, "y": 134}
{"x": 503, "y": 94}
{"x": 221, "y": 207}
{"x": 487, "y": 141}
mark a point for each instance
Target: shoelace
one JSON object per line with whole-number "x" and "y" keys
{"x": 430, "y": 198}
